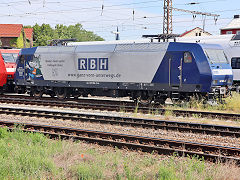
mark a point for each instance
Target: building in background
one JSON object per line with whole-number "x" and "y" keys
{"x": 29, "y": 35}
{"x": 233, "y": 27}
{"x": 195, "y": 32}
{"x": 16, "y": 36}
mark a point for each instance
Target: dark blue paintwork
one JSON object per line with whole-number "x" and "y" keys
{"x": 21, "y": 65}
{"x": 28, "y": 51}
{"x": 219, "y": 66}
{"x": 198, "y": 73}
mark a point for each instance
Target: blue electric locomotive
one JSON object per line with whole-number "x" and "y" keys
{"x": 143, "y": 71}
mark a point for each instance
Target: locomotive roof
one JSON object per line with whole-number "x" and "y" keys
{"x": 121, "y": 47}
{"x": 28, "y": 50}
{"x": 210, "y": 46}
{"x": 97, "y": 48}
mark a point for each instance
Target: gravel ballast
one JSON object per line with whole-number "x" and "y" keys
{"x": 200, "y": 138}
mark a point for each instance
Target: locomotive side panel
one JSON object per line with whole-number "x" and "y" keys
{"x": 123, "y": 66}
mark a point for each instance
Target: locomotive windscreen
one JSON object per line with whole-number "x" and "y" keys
{"x": 236, "y": 37}
{"x": 8, "y": 57}
{"x": 216, "y": 56}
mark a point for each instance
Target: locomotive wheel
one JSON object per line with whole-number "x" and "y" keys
{"x": 61, "y": 93}
{"x": 52, "y": 95}
{"x": 160, "y": 100}
{"x": 37, "y": 93}
{"x": 21, "y": 90}
{"x": 145, "y": 102}
{"x": 76, "y": 96}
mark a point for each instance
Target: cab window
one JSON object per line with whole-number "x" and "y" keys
{"x": 187, "y": 57}
{"x": 235, "y": 63}
{"x": 8, "y": 58}
{"x": 216, "y": 56}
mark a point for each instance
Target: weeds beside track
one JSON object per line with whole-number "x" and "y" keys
{"x": 146, "y": 144}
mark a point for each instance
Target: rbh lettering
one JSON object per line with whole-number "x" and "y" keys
{"x": 82, "y": 64}
{"x": 92, "y": 63}
{"x": 103, "y": 63}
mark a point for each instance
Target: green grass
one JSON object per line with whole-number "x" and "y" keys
{"x": 136, "y": 108}
{"x": 230, "y": 104}
{"x": 34, "y": 156}
{"x": 233, "y": 103}
{"x": 168, "y": 113}
{"x": 26, "y": 155}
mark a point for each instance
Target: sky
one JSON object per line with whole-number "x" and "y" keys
{"x": 133, "y": 18}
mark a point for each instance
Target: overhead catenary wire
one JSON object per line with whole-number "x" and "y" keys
{"x": 144, "y": 17}
{"x": 107, "y": 18}
{"x": 82, "y": 9}
{"x": 97, "y": 8}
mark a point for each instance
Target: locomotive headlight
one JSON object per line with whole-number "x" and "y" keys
{"x": 215, "y": 82}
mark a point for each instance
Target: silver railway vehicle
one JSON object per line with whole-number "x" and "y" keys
{"x": 143, "y": 71}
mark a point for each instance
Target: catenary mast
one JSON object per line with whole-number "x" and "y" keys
{"x": 167, "y": 17}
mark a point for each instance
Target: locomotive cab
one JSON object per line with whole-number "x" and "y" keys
{"x": 190, "y": 69}
{"x": 222, "y": 75}
{"x": 9, "y": 56}
{"x": 10, "y": 63}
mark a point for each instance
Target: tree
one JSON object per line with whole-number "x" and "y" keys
{"x": 62, "y": 32}
{"x": 44, "y": 33}
{"x": 81, "y": 34}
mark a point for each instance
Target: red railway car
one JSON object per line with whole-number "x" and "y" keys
{"x": 10, "y": 56}
{"x": 3, "y": 74}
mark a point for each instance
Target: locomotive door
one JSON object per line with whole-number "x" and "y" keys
{"x": 175, "y": 69}
{"x": 26, "y": 68}
{"x": 27, "y": 59}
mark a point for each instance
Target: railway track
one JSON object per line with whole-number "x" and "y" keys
{"x": 146, "y": 144}
{"x": 109, "y": 105}
{"x": 126, "y": 121}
